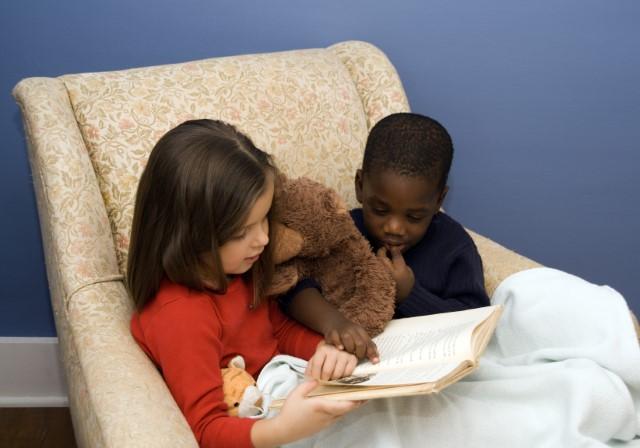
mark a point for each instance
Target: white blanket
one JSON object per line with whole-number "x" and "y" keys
{"x": 563, "y": 370}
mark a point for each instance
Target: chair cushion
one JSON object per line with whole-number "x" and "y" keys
{"x": 301, "y": 106}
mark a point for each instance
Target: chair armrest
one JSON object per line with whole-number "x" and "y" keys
{"x": 76, "y": 233}
{"x": 131, "y": 402}
{"x": 499, "y": 263}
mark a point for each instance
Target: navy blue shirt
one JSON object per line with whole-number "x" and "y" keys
{"x": 447, "y": 269}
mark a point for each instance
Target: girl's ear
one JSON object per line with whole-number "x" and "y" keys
{"x": 358, "y": 185}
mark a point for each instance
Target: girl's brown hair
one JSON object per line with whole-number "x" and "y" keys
{"x": 200, "y": 183}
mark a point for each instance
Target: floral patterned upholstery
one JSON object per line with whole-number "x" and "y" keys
{"x": 89, "y": 136}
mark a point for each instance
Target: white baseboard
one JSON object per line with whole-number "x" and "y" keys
{"x": 30, "y": 373}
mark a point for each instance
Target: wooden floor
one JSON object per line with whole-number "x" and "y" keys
{"x": 36, "y": 428}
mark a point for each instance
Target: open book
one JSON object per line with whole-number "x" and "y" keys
{"x": 418, "y": 355}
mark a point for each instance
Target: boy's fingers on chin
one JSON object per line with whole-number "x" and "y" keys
{"x": 396, "y": 257}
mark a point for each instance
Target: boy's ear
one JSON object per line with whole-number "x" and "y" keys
{"x": 443, "y": 195}
{"x": 358, "y": 184}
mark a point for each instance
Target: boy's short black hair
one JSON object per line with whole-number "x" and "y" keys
{"x": 410, "y": 145}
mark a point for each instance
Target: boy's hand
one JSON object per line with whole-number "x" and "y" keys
{"x": 330, "y": 363}
{"x": 401, "y": 273}
{"x": 352, "y": 338}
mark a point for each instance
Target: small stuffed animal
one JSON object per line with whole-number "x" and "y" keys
{"x": 239, "y": 388}
{"x": 315, "y": 237}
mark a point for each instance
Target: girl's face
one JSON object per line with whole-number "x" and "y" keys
{"x": 243, "y": 249}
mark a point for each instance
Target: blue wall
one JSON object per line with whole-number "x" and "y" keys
{"x": 542, "y": 99}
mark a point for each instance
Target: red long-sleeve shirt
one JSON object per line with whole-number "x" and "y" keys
{"x": 191, "y": 335}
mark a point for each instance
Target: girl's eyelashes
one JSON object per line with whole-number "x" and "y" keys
{"x": 239, "y": 235}
{"x": 245, "y": 231}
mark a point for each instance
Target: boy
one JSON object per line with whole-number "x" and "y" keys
{"x": 433, "y": 260}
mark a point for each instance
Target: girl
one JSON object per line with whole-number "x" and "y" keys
{"x": 198, "y": 267}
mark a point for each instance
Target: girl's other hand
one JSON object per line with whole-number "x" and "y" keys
{"x": 330, "y": 363}
{"x": 300, "y": 417}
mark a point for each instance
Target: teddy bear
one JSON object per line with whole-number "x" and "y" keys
{"x": 239, "y": 389}
{"x": 315, "y": 237}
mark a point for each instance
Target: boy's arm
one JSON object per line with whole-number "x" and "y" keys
{"x": 463, "y": 287}
{"x": 307, "y": 305}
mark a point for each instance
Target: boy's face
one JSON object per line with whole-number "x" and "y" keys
{"x": 397, "y": 209}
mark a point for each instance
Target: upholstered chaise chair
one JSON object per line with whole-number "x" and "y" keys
{"x": 89, "y": 136}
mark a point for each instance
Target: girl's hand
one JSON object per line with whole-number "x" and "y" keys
{"x": 401, "y": 273}
{"x": 300, "y": 417}
{"x": 351, "y": 337}
{"x": 330, "y": 363}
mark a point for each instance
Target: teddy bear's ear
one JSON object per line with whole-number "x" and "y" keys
{"x": 237, "y": 362}
{"x": 335, "y": 201}
{"x": 287, "y": 243}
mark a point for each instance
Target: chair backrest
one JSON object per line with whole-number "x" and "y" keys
{"x": 311, "y": 109}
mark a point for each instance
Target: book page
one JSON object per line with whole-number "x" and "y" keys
{"x": 424, "y": 340}
{"x": 419, "y": 347}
